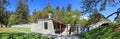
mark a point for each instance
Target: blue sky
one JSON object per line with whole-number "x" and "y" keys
{"x": 40, "y": 4}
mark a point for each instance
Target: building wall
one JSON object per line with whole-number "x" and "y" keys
{"x": 40, "y": 27}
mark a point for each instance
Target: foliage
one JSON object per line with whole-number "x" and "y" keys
{"x": 83, "y": 22}
{"x": 77, "y": 17}
{"x": 4, "y": 14}
{"x": 69, "y": 7}
{"x": 102, "y": 32}
{"x": 95, "y": 17}
{"x": 58, "y": 8}
{"x": 33, "y": 18}
{"x": 63, "y": 9}
{"x": 12, "y": 20}
{"x": 22, "y": 12}
{"x": 48, "y": 8}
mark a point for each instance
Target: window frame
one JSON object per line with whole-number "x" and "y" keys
{"x": 45, "y": 25}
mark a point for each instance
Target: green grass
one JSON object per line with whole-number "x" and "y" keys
{"x": 7, "y": 30}
{"x": 102, "y": 32}
{"x": 20, "y": 36}
{"x": 15, "y": 30}
{"x": 15, "y": 33}
{"x": 22, "y": 29}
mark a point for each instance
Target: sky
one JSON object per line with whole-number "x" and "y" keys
{"x": 40, "y": 4}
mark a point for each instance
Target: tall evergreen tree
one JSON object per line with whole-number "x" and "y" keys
{"x": 48, "y": 8}
{"x": 68, "y": 7}
{"x": 63, "y": 9}
{"x": 3, "y": 3}
{"x": 58, "y": 8}
{"x": 22, "y": 12}
{"x": 57, "y": 12}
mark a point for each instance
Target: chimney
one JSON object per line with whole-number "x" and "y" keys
{"x": 49, "y": 15}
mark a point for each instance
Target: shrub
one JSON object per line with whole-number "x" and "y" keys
{"x": 102, "y": 32}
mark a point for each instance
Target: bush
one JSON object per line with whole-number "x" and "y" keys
{"x": 102, "y": 32}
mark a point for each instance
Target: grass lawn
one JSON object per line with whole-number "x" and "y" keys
{"x": 20, "y": 36}
{"x": 15, "y": 30}
{"x": 7, "y": 30}
{"x": 21, "y": 29}
{"x": 17, "y": 33}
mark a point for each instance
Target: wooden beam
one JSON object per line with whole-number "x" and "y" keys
{"x": 60, "y": 28}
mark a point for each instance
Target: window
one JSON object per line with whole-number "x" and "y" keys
{"x": 45, "y": 25}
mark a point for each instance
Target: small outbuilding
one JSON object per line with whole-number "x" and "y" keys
{"x": 49, "y": 26}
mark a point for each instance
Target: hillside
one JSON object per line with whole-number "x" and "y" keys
{"x": 102, "y": 32}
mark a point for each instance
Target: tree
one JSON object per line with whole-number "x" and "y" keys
{"x": 117, "y": 13}
{"x": 12, "y": 20}
{"x": 41, "y": 14}
{"x": 76, "y": 14}
{"x": 33, "y": 18}
{"x": 58, "y": 8}
{"x": 95, "y": 17}
{"x": 57, "y": 13}
{"x": 67, "y": 18}
{"x": 89, "y": 5}
{"x": 3, "y": 12}
{"x": 6, "y": 16}
{"x": 83, "y": 22}
{"x": 63, "y": 9}
{"x": 22, "y": 12}
{"x": 68, "y": 7}
{"x": 3, "y": 3}
{"x": 48, "y": 8}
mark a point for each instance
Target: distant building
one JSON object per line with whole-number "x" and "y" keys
{"x": 82, "y": 17}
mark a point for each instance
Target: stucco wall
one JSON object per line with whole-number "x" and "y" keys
{"x": 40, "y": 27}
